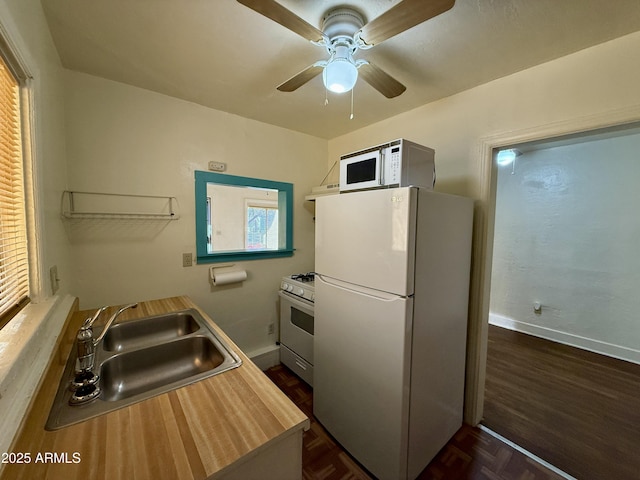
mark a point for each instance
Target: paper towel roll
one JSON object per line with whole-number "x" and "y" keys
{"x": 225, "y": 278}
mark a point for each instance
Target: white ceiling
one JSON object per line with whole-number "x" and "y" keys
{"x": 221, "y": 54}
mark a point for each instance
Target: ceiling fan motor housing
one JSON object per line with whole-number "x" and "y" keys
{"x": 341, "y": 24}
{"x": 339, "y": 27}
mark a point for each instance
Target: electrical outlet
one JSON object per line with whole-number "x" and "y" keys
{"x": 187, "y": 259}
{"x": 270, "y": 329}
{"x": 217, "y": 166}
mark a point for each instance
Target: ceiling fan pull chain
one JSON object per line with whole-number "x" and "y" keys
{"x": 326, "y": 97}
{"x": 351, "y": 116}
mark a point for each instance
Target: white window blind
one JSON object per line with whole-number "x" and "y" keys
{"x": 14, "y": 267}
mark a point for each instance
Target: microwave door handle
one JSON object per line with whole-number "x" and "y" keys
{"x": 381, "y": 168}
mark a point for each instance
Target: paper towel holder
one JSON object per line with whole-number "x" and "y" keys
{"x": 229, "y": 277}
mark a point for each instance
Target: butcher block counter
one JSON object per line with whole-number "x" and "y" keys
{"x": 237, "y": 424}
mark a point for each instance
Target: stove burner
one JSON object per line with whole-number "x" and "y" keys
{"x": 304, "y": 277}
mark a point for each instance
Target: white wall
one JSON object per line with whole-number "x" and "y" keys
{"x": 567, "y": 232}
{"x": 122, "y": 139}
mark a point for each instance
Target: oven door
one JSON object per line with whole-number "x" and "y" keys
{"x": 361, "y": 171}
{"x": 296, "y": 325}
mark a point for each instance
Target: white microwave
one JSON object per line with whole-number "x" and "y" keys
{"x": 399, "y": 163}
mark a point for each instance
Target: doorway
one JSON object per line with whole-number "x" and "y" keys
{"x": 563, "y": 373}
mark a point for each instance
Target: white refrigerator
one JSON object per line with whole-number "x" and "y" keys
{"x": 391, "y": 299}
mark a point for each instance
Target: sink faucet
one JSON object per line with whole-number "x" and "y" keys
{"x": 87, "y": 344}
{"x": 110, "y": 322}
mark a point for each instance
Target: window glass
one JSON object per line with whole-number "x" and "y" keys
{"x": 262, "y": 228}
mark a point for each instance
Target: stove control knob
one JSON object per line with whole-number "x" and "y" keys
{"x": 284, "y": 286}
{"x": 289, "y": 288}
{"x": 299, "y": 291}
{"x": 313, "y": 297}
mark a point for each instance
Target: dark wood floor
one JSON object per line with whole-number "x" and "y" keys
{"x": 472, "y": 454}
{"x": 578, "y": 410}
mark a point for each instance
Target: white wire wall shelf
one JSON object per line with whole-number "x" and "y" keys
{"x": 88, "y": 205}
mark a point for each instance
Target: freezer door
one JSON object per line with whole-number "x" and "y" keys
{"x": 368, "y": 238}
{"x": 361, "y": 377}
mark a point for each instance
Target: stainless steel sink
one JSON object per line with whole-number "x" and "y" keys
{"x": 142, "y": 358}
{"x": 139, "y": 333}
{"x": 146, "y": 369}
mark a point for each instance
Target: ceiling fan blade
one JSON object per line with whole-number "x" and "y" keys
{"x": 381, "y": 80}
{"x": 401, "y": 17}
{"x": 276, "y": 12}
{"x": 301, "y": 78}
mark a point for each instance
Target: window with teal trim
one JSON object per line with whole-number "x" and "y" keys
{"x": 242, "y": 218}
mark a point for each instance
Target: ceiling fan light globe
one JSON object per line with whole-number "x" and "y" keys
{"x": 507, "y": 157}
{"x": 340, "y": 75}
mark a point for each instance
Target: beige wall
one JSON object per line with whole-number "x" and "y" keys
{"x": 589, "y": 89}
{"x": 122, "y": 139}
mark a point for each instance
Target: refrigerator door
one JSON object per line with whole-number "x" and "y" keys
{"x": 362, "y": 349}
{"x": 368, "y": 238}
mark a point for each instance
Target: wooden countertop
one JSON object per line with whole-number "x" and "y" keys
{"x": 189, "y": 433}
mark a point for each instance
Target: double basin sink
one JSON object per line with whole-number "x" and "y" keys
{"x": 139, "y": 359}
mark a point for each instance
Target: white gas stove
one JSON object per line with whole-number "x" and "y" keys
{"x": 297, "y": 324}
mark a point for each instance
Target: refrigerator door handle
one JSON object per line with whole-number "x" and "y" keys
{"x": 367, "y": 292}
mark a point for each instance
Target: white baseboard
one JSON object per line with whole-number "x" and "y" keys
{"x": 266, "y": 357}
{"x": 597, "y": 346}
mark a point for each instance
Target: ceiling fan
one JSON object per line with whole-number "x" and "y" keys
{"x": 343, "y": 33}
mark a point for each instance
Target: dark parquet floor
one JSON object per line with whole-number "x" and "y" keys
{"x": 578, "y": 410}
{"x": 472, "y": 454}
